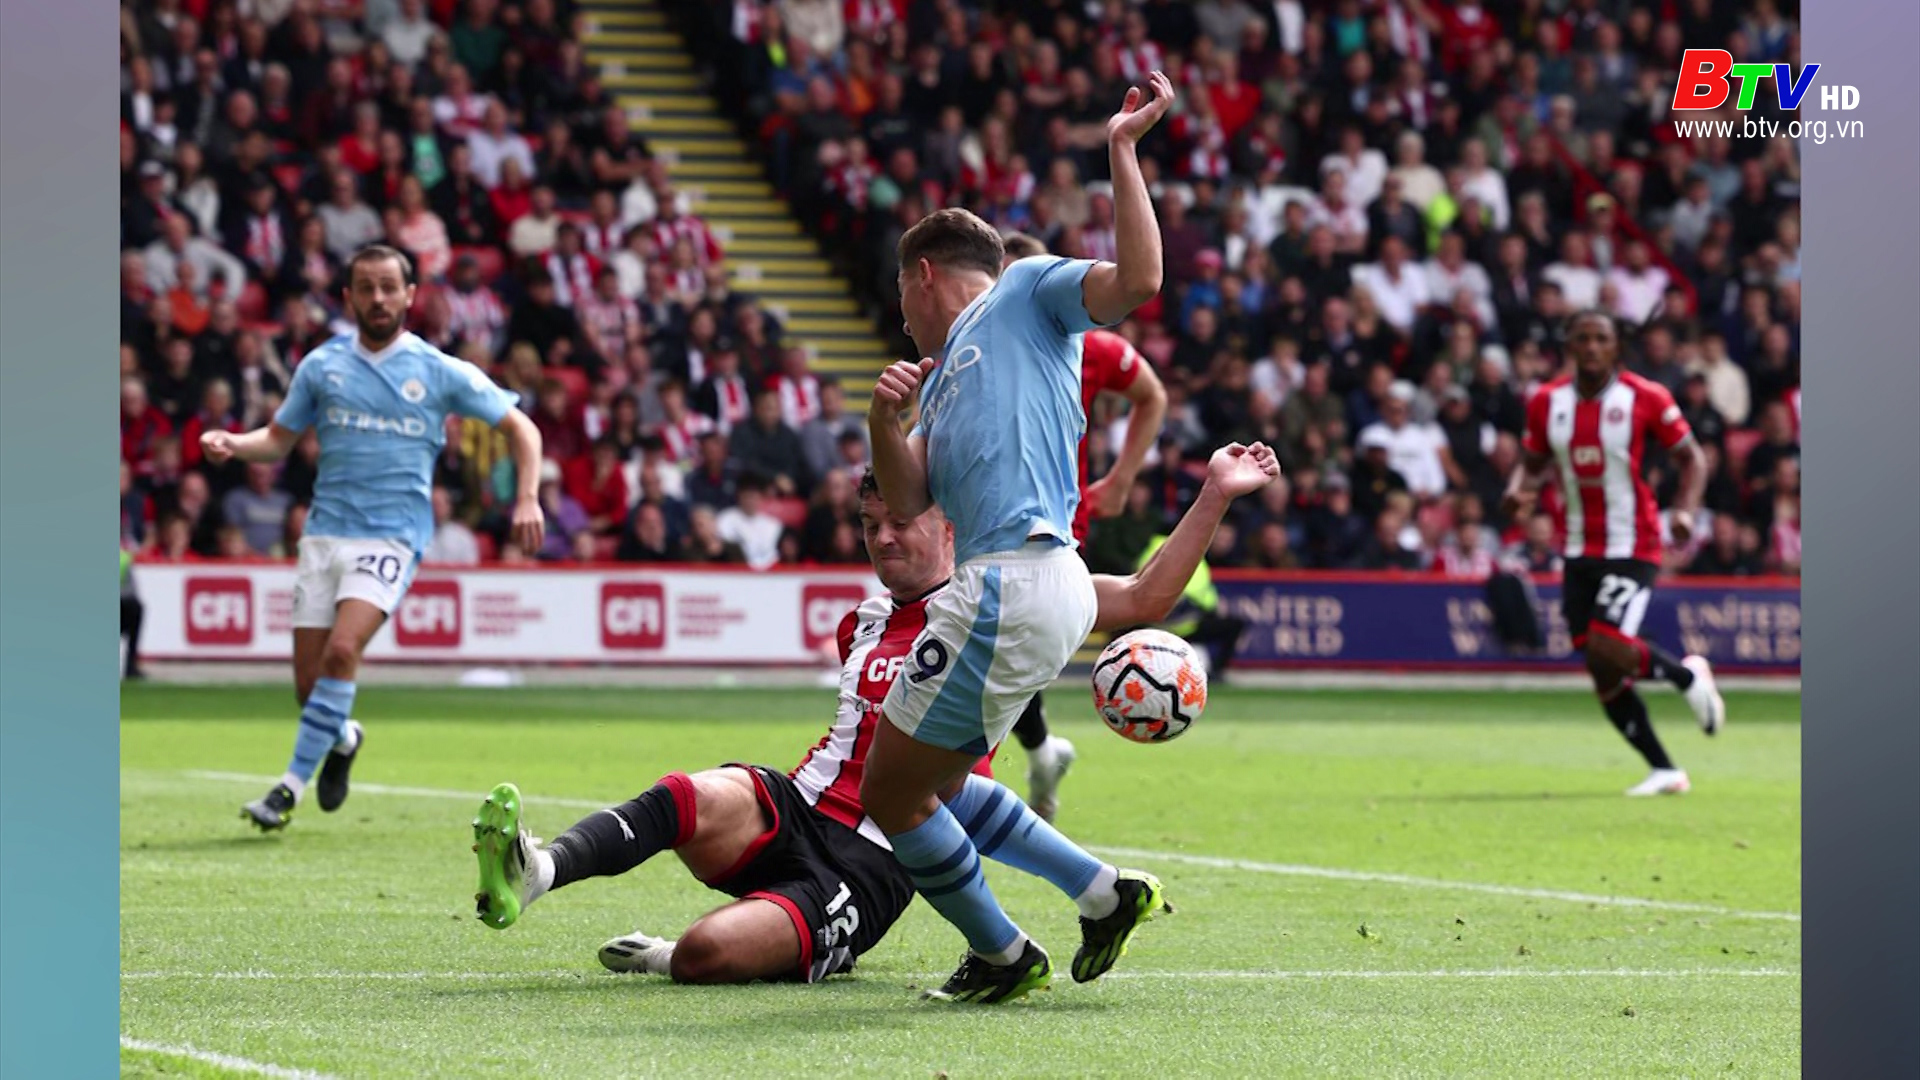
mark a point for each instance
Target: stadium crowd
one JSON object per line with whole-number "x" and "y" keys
{"x": 1376, "y": 214}
{"x": 263, "y": 141}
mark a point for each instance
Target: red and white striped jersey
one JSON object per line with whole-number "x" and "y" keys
{"x": 799, "y": 399}
{"x": 1598, "y": 443}
{"x": 876, "y": 641}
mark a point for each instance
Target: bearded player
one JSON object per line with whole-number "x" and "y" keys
{"x": 379, "y": 399}
{"x": 815, "y": 885}
{"x": 1108, "y": 364}
{"x": 1591, "y": 427}
{"x": 1000, "y": 419}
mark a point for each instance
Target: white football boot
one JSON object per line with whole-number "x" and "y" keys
{"x": 1703, "y": 697}
{"x": 1661, "y": 782}
{"x": 637, "y": 954}
{"x": 1046, "y": 765}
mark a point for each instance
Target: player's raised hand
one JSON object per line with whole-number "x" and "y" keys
{"x": 529, "y": 525}
{"x": 217, "y": 446}
{"x": 1237, "y": 470}
{"x": 1141, "y": 110}
{"x": 899, "y": 386}
{"x": 1106, "y": 497}
{"x": 1680, "y": 525}
{"x": 1516, "y": 504}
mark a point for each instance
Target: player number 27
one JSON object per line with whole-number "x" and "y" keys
{"x": 384, "y": 567}
{"x": 1616, "y": 592}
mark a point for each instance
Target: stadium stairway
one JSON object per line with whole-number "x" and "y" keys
{"x": 644, "y": 63}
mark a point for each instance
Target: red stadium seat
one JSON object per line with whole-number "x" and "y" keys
{"x": 791, "y": 512}
{"x": 572, "y": 378}
{"x": 604, "y": 547}
{"x": 489, "y": 549}
{"x": 253, "y": 302}
{"x": 1740, "y": 444}
{"x": 491, "y": 262}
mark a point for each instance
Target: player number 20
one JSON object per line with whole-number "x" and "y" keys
{"x": 384, "y": 567}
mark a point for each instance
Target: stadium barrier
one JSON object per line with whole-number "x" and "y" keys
{"x": 1422, "y": 622}
{"x": 703, "y": 616}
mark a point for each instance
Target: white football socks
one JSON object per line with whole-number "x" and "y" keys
{"x": 1099, "y": 899}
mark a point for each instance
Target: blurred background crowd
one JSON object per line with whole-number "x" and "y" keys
{"x": 1376, "y": 215}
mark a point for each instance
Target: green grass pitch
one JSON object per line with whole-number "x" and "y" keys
{"x": 1396, "y": 883}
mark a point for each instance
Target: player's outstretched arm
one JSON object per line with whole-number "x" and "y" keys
{"x": 1692, "y": 462}
{"x": 270, "y": 443}
{"x": 899, "y": 460}
{"x": 1112, "y": 290}
{"x": 1149, "y": 399}
{"x": 524, "y": 443}
{"x": 1524, "y": 485}
{"x": 1147, "y": 596}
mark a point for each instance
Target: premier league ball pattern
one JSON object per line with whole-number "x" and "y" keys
{"x": 1149, "y": 686}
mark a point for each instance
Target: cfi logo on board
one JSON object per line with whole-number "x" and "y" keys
{"x": 429, "y": 616}
{"x": 633, "y": 615}
{"x": 822, "y": 606}
{"x": 219, "y": 611}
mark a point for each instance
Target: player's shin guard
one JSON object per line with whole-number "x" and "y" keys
{"x": 1628, "y": 711}
{"x": 322, "y": 721}
{"x": 615, "y": 840}
{"x": 1031, "y": 728}
{"x": 945, "y": 869}
{"x": 1006, "y": 830}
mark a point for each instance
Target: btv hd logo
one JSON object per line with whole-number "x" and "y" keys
{"x": 1705, "y": 76}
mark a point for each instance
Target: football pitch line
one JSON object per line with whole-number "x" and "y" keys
{"x": 1214, "y": 862}
{"x": 1131, "y": 976}
{"x": 221, "y": 1061}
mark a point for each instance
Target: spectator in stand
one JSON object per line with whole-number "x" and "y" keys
{"x": 725, "y": 396}
{"x": 1638, "y": 284}
{"x": 350, "y": 223}
{"x": 204, "y": 260}
{"x": 258, "y": 510}
{"x": 834, "y": 507}
{"x": 703, "y": 542}
{"x": 421, "y": 233}
{"x": 765, "y": 445}
{"x": 475, "y": 314}
{"x": 1538, "y": 550}
{"x": 542, "y": 322}
{"x": 566, "y": 518}
{"x": 535, "y": 231}
{"x": 493, "y": 143}
{"x": 453, "y": 543}
{"x": 646, "y": 539}
{"x": 596, "y": 481}
{"x": 1386, "y": 548}
{"x": 748, "y": 525}
{"x": 1726, "y": 554}
{"x": 798, "y": 388}
{"x": 1574, "y": 274}
{"x": 1417, "y": 452}
{"x": 573, "y": 270}
{"x": 714, "y": 479}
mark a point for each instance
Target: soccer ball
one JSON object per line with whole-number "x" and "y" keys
{"x": 1149, "y": 686}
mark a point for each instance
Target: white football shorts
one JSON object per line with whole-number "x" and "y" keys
{"x": 1000, "y": 632}
{"x": 332, "y": 569}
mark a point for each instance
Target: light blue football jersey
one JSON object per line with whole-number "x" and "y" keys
{"x": 1001, "y": 413}
{"x": 382, "y": 421}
